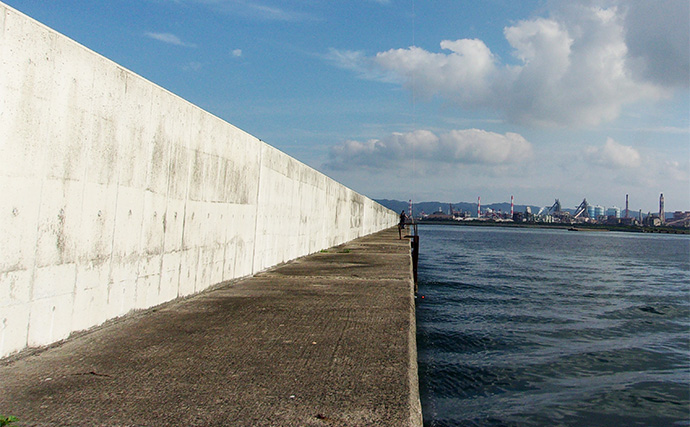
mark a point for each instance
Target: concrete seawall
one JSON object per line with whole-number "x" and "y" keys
{"x": 326, "y": 340}
{"x": 118, "y": 195}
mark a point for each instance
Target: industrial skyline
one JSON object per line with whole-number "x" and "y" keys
{"x": 557, "y": 212}
{"x": 622, "y": 208}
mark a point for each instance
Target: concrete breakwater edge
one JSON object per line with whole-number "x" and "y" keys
{"x": 325, "y": 340}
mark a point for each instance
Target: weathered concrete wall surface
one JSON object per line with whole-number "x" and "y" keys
{"x": 117, "y": 195}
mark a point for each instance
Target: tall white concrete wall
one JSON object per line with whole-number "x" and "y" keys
{"x": 117, "y": 195}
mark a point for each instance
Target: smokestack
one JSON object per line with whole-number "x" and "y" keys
{"x": 511, "y": 206}
{"x": 662, "y": 213}
{"x": 626, "y": 205}
{"x": 479, "y": 206}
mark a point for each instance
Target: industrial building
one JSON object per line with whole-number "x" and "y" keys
{"x": 597, "y": 214}
{"x": 584, "y": 213}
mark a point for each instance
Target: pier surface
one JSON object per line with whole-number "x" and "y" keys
{"x": 326, "y": 340}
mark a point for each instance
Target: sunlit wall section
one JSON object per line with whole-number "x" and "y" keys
{"x": 119, "y": 195}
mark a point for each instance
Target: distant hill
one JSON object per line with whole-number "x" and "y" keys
{"x": 431, "y": 207}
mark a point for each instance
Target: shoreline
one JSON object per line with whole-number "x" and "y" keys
{"x": 574, "y": 227}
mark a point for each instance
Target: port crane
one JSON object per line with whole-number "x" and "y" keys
{"x": 582, "y": 209}
{"x": 556, "y": 207}
{"x": 557, "y": 211}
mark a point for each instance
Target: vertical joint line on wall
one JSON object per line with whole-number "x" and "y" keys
{"x": 183, "y": 251}
{"x": 34, "y": 266}
{"x": 112, "y": 240}
{"x": 166, "y": 222}
{"x": 256, "y": 212}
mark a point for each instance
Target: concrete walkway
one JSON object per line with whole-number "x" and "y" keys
{"x": 326, "y": 340}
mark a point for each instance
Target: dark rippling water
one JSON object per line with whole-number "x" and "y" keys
{"x": 540, "y": 327}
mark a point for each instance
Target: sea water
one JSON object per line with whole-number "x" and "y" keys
{"x": 548, "y": 327}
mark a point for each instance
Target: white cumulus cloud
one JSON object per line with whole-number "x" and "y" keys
{"x": 573, "y": 68}
{"x": 468, "y": 146}
{"x": 614, "y": 155}
{"x": 464, "y": 74}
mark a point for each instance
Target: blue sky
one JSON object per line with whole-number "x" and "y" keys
{"x": 430, "y": 100}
